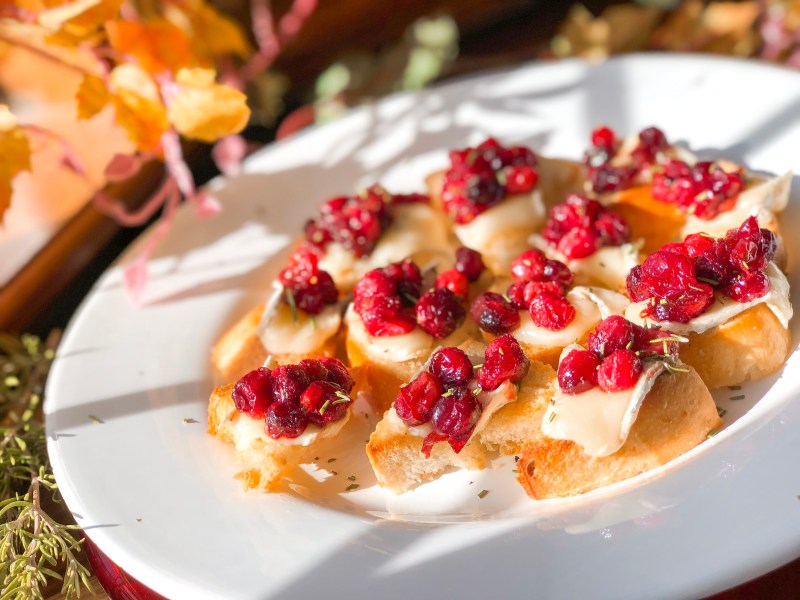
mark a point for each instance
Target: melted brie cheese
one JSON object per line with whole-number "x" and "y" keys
{"x": 417, "y": 232}
{"x": 248, "y": 430}
{"x": 281, "y": 333}
{"x": 724, "y": 308}
{"x": 397, "y": 348}
{"x": 599, "y": 421}
{"x": 591, "y": 306}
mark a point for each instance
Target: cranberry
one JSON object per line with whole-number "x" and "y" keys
{"x": 374, "y": 283}
{"x": 285, "y": 420}
{"x": 704, "y": 190}
{"x": 651, "y": 141}
{"x": 577, "y": 372}
{"x": 612, "y": 229}
{"x": 603, "y": 137}
{"x": 504, "y": 360}
{"x": 314, "y": 369}
{"x": 383, "y": 299}
{"x": 519, "y": 156}
{"x": 493, "y": 313}
{"x": 558, "y": 272}
{"x": 619, "y": 371}
{"x": 652, "y": 341}
{"x": 439, "y": 312}
{"x": 324, "y": 402}
{"x": 522, "y": 293}
{"x": 455, "y": 281}
{"x": 607, "y": 179}
{"x": 408, "y": 278}
{"x": 311, "y": 289}
{"x": 611, "y": 334}
{"x": 337, "y": 373}
{"x": 452, "y": 366}
{"x": 252, "y": 394}
{"x": 580, "y": 226}
{"x": 520, "y": 179}
{"x": 551, "y": 311}
{"x": 529, "y": 266}
{"x": 455, "y": 416}
{"x": 470, "y": 263}
{"x": 384, "y": 316}
{"x": 747, "y": 286}
{"x": 415, "y": 400}
{"x": 288, "y": 382}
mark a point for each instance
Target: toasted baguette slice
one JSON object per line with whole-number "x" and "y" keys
{"x": 396, "y": 455}
{"x": 264, "y": 461}
{"x": 749, "y": 346}
{"x": 676, "y": 416}
{"x": 240, "y": 350}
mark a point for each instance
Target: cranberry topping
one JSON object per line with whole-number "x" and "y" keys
{"x": 285, "y": 420}
{"x": 384, "y": 299}
{"x": 605, "y": 177}
{"x": 551, "y": 310}
{"x": 356, "y": 222}
{"x": 288, "y": 382}
{"x": 470, "y": 263}
{"x": 455, "y": 415}
{"x": 324, "y": 402}
{"x": 415, "y": 400}
{"x": 451, "y": 366}
{"x": 651, "y": 141}
{"x": 306, "y": 286}
{"x": 522, "y": 293}
{"x": 504, "y": 360}
{"x": 472, "y": 184}
{"x": 494, "y": 313}
{"x": 314, "y": 369}
{"x": 337, "y": 373}
{"x": 439, "y": 312}
{"x": 704, "y": 190}
{"x": 455, "y": 281}
{"x": 577, "y": 372}
{"x": 604, "y": 138}
{"x": 533, "y": 265}
{"x": 580, "y": 226}
{"x": 679, "y": 280}
{"x": 252, "y": 394}
{"x": 619, "y": 371}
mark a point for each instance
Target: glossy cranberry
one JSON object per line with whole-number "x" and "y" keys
{"x": 252, "y": 394}
{"x": 747, "y": 286}
{"x": 493, "y": 313}
{"x": 288, "y": 382}
{"x": 379, "y": 303}
{"x": 520, "y": 179}
{"x": 551, "y": 311}
{"x": 324, "y": 402}
{"x": 653, "y": 341}
{"x": 337, "y": 373}
{"x": 470, "y": 263}
{"x": 704, "y": 190}
{"x": 311, "y": 289}
{"x": 619, "y": 371}
{"x": 374, "y": 283}
{"x": 415, "y": 400}
{"x": 651, "y": 141}
{"x": 611, "y": 334}
{"x": 605, "y": 179}
{"x": 518, "y": 156}
{"x": 504, "y": 361}
{"x": 455, "y": 416}
{"x": 558, "y": 272}
{"x": 408, "y": 278}
{"x": 529, "y": 266}
{"x": 603, "y": 137}
{"x": 314, "y": 369}
{"x": 452, "y": 366}
{"x": 439, "y": 312}
{"x": 577, "y": 372}
{"x": 385, "y": 316}
{"x": 612, "y": 229}
{"x": 285, "y": 420}
{"x": 455, "y": 281}
{"x": 580, "y": 226}
{"x": 579, "y": 243}
{"x": 522, "y": 293}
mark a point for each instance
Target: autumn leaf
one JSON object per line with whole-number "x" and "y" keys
{"x": 214, "y": 34}
{"x": 92, "y": 96}
{"x": 157, "y": 45}
{"x": 15, "y": 154}
{"x": 205, "y": 110}
{"x": 71, "y": 23}
{"x": 138, "y": 105}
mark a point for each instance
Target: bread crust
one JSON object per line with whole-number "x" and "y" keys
{"x": 396, "y": 455}
{"x": 676, "y": 416}
{"x": 751, "y": 345}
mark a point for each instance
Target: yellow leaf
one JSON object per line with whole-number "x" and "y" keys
{"x": 157, "y": 45}
{"x": 91, "y": 96}
{"x": 70, "y": 23}
{"x": 205, "y": 110}
{"x": 15, "y": 155}
{"x": 138, "y": 105}
{"x": 215, "y": 34}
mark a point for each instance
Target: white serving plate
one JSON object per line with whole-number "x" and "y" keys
{"x": 156, "y": 493}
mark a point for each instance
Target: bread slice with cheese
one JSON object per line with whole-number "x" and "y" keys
{"x": 677, "y": 414}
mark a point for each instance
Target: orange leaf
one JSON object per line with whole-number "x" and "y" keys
{"x": 215, "y": 34}
{"x": 205, "y": 110}
{"x": 138, "y": 105}
{"x": 91, "y": 96}
{"x": 70, "y": 23}
{"x": 157, "y": 45}
{"x": 15, "y": 155}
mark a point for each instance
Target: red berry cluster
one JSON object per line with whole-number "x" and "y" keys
{"x": 468, "y": 269}
{"x": 704, "y": 190}
{"x": 480, "y": 177}
{"x": 680, "y": 279}
{"x": 389, "y": 303}
{"x": 614, "y": 356}
{"x": 290, "y": 397}
{"x": 539, "y": 286}
{"x": 356, "y": 222}
{"x": 579, "y": 227}
{"x": 605, "y": 177}
{"x": 444, "y": 397}
{"x": 305, "y": 285}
